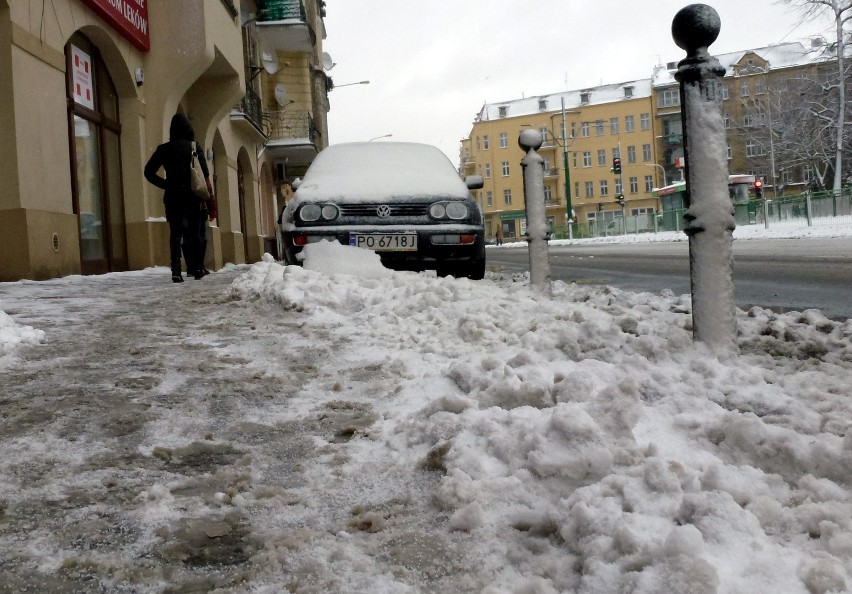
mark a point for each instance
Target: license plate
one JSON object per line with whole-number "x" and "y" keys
{"x": 385, "y": 242}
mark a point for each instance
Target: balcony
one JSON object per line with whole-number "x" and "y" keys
{"x": 552, "y": 172}
{"x": 291, "y": 134}
{"x": 672, "y": 139}
{"x": 283, "y": 25}
{"x": 249, "y": 110}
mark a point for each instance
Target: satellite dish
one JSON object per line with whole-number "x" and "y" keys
{"x": 269, "y": 61}
{"x": 281, "y": 96}
{"x": 327, "y": 62}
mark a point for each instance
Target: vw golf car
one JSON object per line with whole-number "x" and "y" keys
{"x": 405, "y": 201}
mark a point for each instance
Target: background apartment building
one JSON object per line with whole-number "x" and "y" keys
{"x": 602, "y": 124}
{"x": 765, "y": 94}
{"x": 89, "y": 88}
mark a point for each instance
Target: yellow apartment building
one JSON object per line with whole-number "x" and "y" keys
{"x": 88, "y": 89}
{"x": 601, "y": 124}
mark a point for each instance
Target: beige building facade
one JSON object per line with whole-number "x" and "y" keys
{"x": 89, "y": 88}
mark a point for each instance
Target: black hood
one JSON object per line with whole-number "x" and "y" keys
{"x": 181, "y": 129}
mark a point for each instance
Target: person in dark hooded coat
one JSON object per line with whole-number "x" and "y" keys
{"x": 183, "y": 207}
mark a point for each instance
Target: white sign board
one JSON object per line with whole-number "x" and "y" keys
{"x": 81, "y": 68}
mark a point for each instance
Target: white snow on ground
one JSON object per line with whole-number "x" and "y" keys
{"x": 584, "y": 443}
{"x": 13, "y": 334}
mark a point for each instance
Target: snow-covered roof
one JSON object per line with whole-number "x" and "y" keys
{"x": 366, "y": 171}
{"x": 782, "y": 55}
{"x": 639, "y": 89}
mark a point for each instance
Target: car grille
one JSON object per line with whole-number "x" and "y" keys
{"x": 397, "y": 210}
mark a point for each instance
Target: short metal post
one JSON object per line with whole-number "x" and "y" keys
{"x": 766, "y": 214}
{"x": 808, "y": 207}
{"x": 533, "y": 168}
{"x": 710, "y": 213}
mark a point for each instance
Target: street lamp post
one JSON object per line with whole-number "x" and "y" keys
{"x": 662, "y": 170}
{"x": 360, "y": 82}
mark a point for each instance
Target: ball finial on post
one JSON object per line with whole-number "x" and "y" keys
{"x": 695, "y": 27}
{"x": 530, "y": 139}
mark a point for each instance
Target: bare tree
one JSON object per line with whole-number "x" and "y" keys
{"x": 833, "y": 112}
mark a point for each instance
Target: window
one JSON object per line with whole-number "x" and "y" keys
{"x": 724, "y": 92}
{"x": 729, "y": 152}
{"x": 485, "y": 143}
{"x": 645, "y": 121}
{"x": 546, "y": 164}
{"x": 629, "y": 123}
{"x": 507, "y": 197}
{"x": 587, "y": 159}
{"x": 613, "y": 125}
{"x": 575, "y": 159}
{"x": 544, "y": 135}
{"x": 748, "y": 120}
{"x": 503, "y": 111}
{"x": 599, "y": 128}
{"x": 744, "y": 88}
{"x": 619, "y": 186}
{"x": 616, "y": 153}
{"x": 95, "y": 153}
{"x": 641, "y": 211}
{"x": 576, "y": 188}
{"x": 488, "y": 170}
{"x": 505, "y": 166}
{"x": 573, "y": 129}
{"x": 584, "y": 129}
{"x": 668, "y": 98}
{"x": 634, "y": 184}
{"x": 751, "y": 150}
{"x": 601, "y": 157}
{"x": 590, "y": 189}
{"x": 727, "y": 119}
{"x": 646, "y": 152}
{"x": 649, "y": 183}
{"x": 604, "y": 188}
{"x": 584, "y": 97}
{"x": 628, "y": 92}
{"x": 489, "y": 198}
{"x": 631, "y": 154}
{"x": 504, "y": 140}
{"x": 548, "y": 195}
{"x": 542, "y": 104}
{"x": 759, "y": 86}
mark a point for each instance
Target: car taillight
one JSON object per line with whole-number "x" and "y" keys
{"x": 300, "y": 240}
{"x": 468, "y": 238}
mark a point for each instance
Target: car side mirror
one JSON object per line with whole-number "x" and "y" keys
{"x": 474, "y": 182}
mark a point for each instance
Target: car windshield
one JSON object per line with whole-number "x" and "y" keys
{"x": 369, "y": 172}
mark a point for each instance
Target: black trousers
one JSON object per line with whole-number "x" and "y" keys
{"x": 202, "y": 236}
{"x": 183, "y": 235}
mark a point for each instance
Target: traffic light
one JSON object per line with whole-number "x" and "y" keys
{"x": 758, "y": 189}
{"x": 616, "y": 166}
{"x": 620, "y": 200}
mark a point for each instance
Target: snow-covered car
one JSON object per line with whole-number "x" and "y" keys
{"x": 405, "y": 201}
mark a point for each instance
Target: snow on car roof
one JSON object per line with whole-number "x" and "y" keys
{"x": 365, "y": 171}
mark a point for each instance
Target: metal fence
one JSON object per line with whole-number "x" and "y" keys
{"x": 810, "y": 208}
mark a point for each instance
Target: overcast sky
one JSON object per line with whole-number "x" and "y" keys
{"x": 432, "y": 65}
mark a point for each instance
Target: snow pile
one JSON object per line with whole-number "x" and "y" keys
{"x": 12, "y": 334}
{"x": 583, "y": 442}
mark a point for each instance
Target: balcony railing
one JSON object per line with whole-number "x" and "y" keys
{"x": 251, "y": 107}
{"x": 281, "y": 10}
{"x": 289, "y": 126}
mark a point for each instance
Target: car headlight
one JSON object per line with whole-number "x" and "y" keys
{"x": 437, "y": 211}
{"x": 310, "y": 212}
{"x": 457, "y": 210}
{"x": 330, "y": 212}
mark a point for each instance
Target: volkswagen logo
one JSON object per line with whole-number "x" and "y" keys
{"x": 384, "y": 211}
